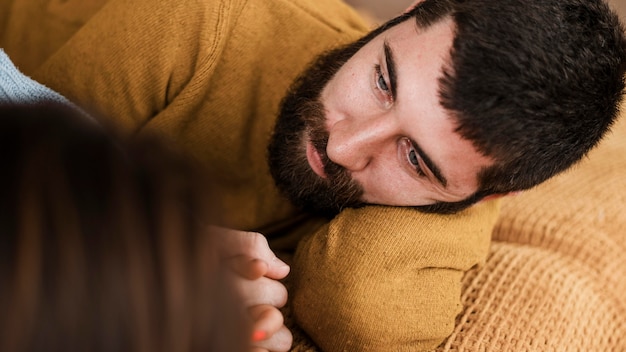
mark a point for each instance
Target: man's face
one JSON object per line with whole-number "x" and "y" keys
{"x": 370, "y": 129}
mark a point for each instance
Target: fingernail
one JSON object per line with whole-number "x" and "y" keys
{"x": 259, "y": 335}
{"x": 279, "y": 262}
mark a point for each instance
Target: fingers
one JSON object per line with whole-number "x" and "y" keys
{"x": 253, "y": 286}
{"x": 233, "y": 243}
{"x": 277, "y": 269}
{"x": 249, "y": 268}
{"x": 262, "y": 291}
{"x": 281, "y": 341}
{"x": 267, "y": 321}
{"x": 257, "y": 268}
{"x": 269, "y": 332}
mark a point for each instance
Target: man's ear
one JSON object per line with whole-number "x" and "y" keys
{"x": 412, "y": 5}
{"x": 499, "y": 195}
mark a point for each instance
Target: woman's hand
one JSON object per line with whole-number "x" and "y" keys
{"x": 257, "y": 270}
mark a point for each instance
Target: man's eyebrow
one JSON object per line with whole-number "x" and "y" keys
{"x": 391, "y": 68}
{"x": 430, "y": 164}
{"x": 393, "y": 78}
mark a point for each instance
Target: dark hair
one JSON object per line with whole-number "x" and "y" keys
{"x": 102, "y": 243}
{"x": 534, "y": 84}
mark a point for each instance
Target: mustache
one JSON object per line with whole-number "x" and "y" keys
{"x": 338, "y": 177}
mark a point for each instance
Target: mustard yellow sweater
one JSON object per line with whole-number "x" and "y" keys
{"x": 209, "y": 76}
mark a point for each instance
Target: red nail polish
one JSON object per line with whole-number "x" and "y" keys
{"x": 259, "y": 335}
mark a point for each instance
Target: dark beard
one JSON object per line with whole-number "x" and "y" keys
{"x": 301, "y": 116}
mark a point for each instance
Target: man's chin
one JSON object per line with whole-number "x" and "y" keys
{"x": 324, "y": 201}
{"x": 326, "y": 211}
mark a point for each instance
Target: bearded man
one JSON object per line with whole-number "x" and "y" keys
{"x": 450, "y": 104}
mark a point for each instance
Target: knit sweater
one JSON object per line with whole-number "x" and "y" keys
{"x": 209, "y": 76}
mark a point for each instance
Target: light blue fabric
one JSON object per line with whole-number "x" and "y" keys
{"x": 17, "y": 88}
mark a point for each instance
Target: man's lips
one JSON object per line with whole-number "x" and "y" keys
{"x": 315, "y": 160}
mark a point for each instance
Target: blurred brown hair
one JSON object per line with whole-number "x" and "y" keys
{"x": 103, "y": 245}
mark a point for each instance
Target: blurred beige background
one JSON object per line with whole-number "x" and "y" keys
{"x": 380, "y": 10}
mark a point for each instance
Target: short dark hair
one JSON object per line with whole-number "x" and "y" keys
{"x": 534, "y": 84}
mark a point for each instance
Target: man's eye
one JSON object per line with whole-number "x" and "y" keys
{"x": 382, "y": 84}
{"x": 409, "y": 151}
{"x": 414, "y": 160}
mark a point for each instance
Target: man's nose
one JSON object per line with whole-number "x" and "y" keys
{"x": 355, "y": 142}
